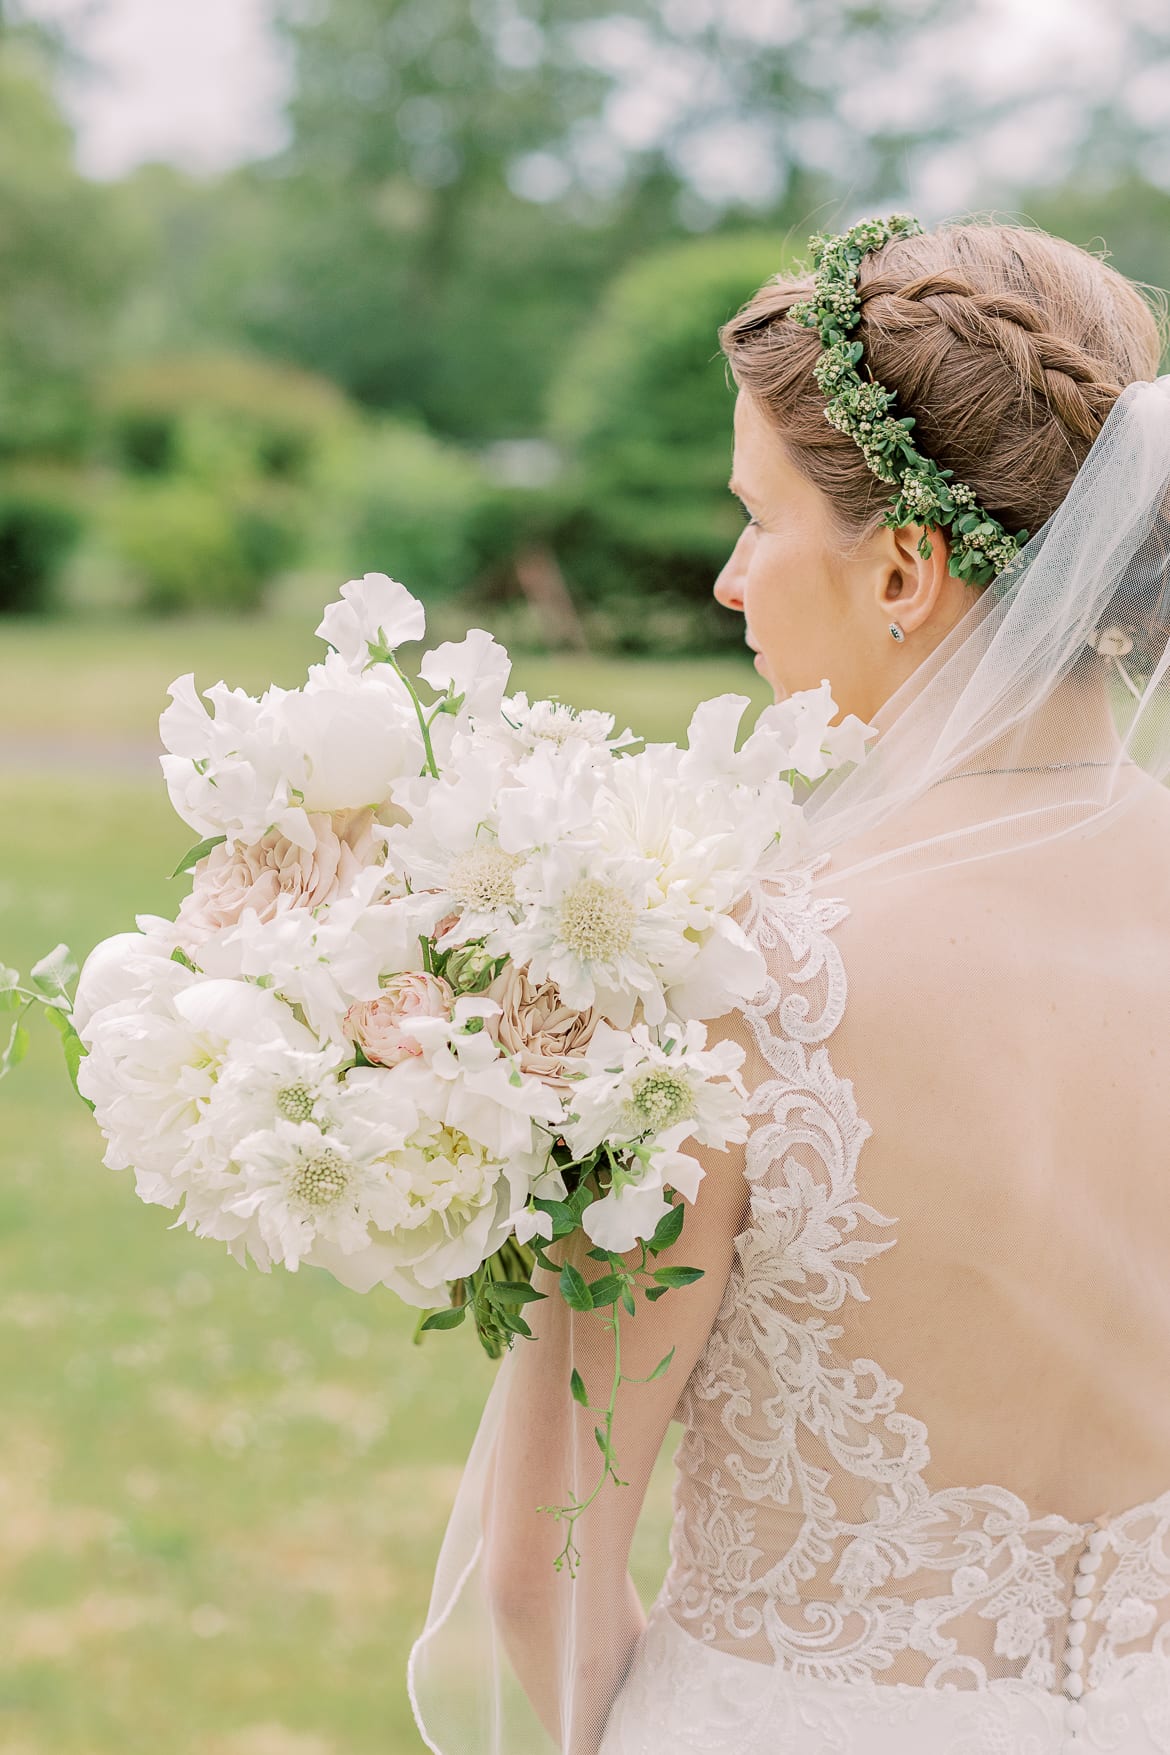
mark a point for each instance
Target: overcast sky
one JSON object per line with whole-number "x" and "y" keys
{"x": 201, "y": 83}
{"x": 196, "y": 82}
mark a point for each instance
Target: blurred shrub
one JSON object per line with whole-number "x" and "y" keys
{"x": 402, "y": 502}
{"x": 183, "y": 547}
{"x": 214, "y": 458}
{"x": 278, "y": 414}
{"x": 40, "y": 521}
{"x": 645, "y": 408}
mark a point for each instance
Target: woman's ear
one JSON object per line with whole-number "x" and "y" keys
{"x": 910, "y": 585}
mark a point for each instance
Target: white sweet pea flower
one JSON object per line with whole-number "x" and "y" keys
{"x": 327, "y": 964}
{"x": 375, "y": 610}
{"x": 812, "y": 744}
{"x": 228, "y": 774}
{"x": 476, "y": 667}
{"x": 550, "y": 796}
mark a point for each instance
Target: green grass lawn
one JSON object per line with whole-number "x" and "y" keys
{"x": 76, "y": 678}
{"x": 221, "y": 1493}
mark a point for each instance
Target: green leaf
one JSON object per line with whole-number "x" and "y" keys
{"x": 628, "y": 1297}
{"x": 577, "y": 1388}
{"x": 677, "y": 1276}
{"x": 514, "y": 1324}
{"x": 581, "y": 1197}
{"x": 73, "y": 1047}
{"x": 52, "y": 975}
{"x": 445, "y": 1318}
{"x": 16, "y": 1049}
{"x": 668, "y": 1229}
{"x": 513, "y": 1292}
{"x": 195, "y": 854}
{"x": 602, "y": 1440}
{"x": 653, "y": 1293}
{"x": 12, "y": 999}
{"x": 563, "y": 1217}
{"x": 662, "y": 1367}
{"x": 179, "y": 955}
{"x": 574, "y": 1290}
{"x": 597, "y": 1254}
{"x": 605, "y": 1290}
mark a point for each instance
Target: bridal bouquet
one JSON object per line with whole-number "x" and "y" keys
{"x": 437, "y": 996}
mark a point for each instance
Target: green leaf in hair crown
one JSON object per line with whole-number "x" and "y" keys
{"x": 980, "y": 547}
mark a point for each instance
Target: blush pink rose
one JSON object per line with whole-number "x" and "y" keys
{"x": 274, "y": 873}
{"x": 381, "y": 1027}
{"x": 535, "y": 1025}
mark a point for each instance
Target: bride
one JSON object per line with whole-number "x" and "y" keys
{"x": 922, "y": 1492}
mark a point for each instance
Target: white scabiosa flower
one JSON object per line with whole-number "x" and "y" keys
{"x": 658, "y": 1096}
{"x": 636, "y": 1088}
{"x": 590, "y": 924}
{"x": 300, "y": 1184}
{"x": 527, "y": 725}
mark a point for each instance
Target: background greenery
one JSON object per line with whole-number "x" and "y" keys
{"x": 462, "y": 331}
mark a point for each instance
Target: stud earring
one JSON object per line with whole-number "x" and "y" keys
{"x": 896, "y": 631}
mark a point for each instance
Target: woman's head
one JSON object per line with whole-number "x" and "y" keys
{"x": 1008, "y": 347}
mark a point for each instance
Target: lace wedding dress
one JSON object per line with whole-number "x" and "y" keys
{"x": 832, "y": 1589}
{"x": 921, "y": 1503}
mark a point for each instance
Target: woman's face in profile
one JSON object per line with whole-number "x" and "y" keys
{"x": 801, "y": 599}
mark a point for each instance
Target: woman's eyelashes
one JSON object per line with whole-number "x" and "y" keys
{"x": 749, "y": 520}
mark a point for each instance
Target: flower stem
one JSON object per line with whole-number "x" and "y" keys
{"x": 418, "y": 707}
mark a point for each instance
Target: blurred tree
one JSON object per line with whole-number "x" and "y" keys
{"x": 465, "y": 175}
{"x": 645, "y": 407}
{"x": 1129, "y": 221}
{"x": 61, "y": 262}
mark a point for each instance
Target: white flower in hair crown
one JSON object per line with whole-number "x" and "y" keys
{"x": 980, "y": 547}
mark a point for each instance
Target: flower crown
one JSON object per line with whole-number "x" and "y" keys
{"x": 980, "y": 546}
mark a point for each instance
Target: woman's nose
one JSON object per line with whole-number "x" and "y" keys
{"x": 728, "y": 587}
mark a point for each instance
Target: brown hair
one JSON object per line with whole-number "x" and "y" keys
{"x": 1008, "y": 346}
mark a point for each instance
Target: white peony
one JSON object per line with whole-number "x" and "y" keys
{"x": 153, "y": 1064}
{"x": 460, "y": 1148}
{"x": 125, "y": 969}
{"x": 350, "y": 737}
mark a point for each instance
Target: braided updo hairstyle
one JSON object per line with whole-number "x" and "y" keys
{"x": 1007, "y": 345}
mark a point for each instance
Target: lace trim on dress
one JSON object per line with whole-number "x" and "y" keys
{"x": 780, "y": 1429}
